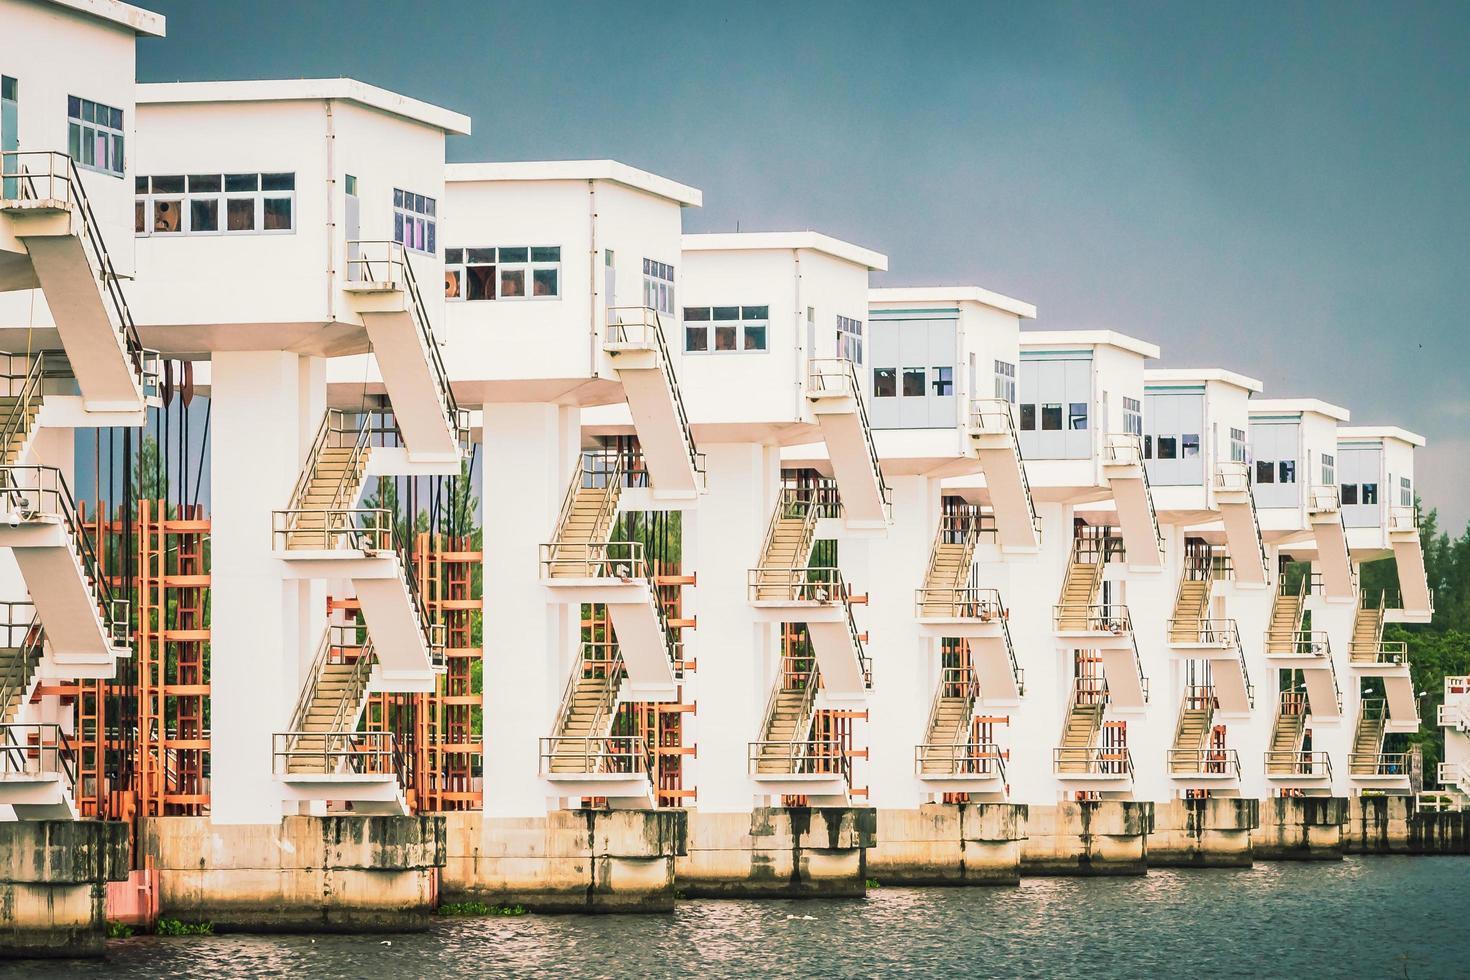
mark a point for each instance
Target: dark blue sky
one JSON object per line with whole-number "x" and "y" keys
{"x": 1279, "y": 189}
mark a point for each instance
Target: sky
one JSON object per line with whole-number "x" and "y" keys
{"x": 1277, "y": 189}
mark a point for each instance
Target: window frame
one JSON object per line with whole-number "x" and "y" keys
{"x": 186, "y": 199}
{"x": 117, "y": 135}
{"x": 658, "y": 286}
{"x": 411, "y": 212}
{"x": 457, "y": 262}
{"x": 850, "y": 339}
{"x": 754, "y": 316}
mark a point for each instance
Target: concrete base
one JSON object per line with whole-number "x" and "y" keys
{"x": 306, "y": 874}
{"x": 1391, "y": 825}
{"x": 53, "y": 885}
{"x": 949, "y": 844}
{"x": 1210, "y": 833}
{"x": 567, "y": 861}
{"x": 1101, "y": 837}
{"x": 778, "y": 852}
{"x": 1304, "y": 828}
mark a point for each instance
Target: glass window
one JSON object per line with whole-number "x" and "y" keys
{"x": 1329, "y": 470}
{"x": 1189, "y": 442}
{"x": 94, "y": 135}
{"x": 850, "y": 339}
{"x": 167, "y": 217}
{"x": 658, "y": 286}
{"x": 1132, "y": 416}
{"x": 725, "y": 334}
{"x": 1287, "y": 468}
{"x": 1265, "y": 471}
{"x": 544, "y": 282}
{"x": 696, "y": 338}
{"x": 1237, "y": 445}
{"x": 204, "y": 214}
{"x": 1077, "y": 415}
{"x": 1406, "y": 492}
{"x": 885, "y": 382}
{"x": 1370, "y": 493}
{"x": 1168, "y": 447}
{"x": 755, "y": 336}
{"x": 512, "y": 282}
{"x": 453, "y": 282}
{"x": 913, "y": 382}
{"x": 1051, "y": 416}
{"x": 197, "y": 204}
{"x": 241, "y": 182}
{"x": 943, "y": 380}
{"x": 1005, "y": 381}
{"x": 277, "y": 213}
{"x": 1349, "y": 492}
{"x": 414, "y": 224}
{"x": 240, "y": 214}
{"x": 1028, "y": 418}
{"x": 730, "y": 328}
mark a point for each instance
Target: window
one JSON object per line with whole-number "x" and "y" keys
{"x": 95, "y": 135}
{"x": 1287, "y": 469}
{"x": 1237, "y": 445}
{"x": 1369, "y": 493}
{"x": 885, "y": 382}
{"x": 943, "y": 380}
{"x": 1005, "y": 381}
{"x": 1077, "y": 415}
{"x": 1189, "y": 443}
{"x": 1406, "y": 492}
{"x": 1349, "y": 493}
{"x": 1051, "y": 416}
{"x": 415, "y": 221}
{"x": 913, "y": 382}
{"x": 658, "y": 286}
{"x": 725, "y": 328}
{"x": 1329, "y": 470}
{"x": 214, "y": 204}
{"x": 850, "y": 339}
{"x": 506, "y": 272}
{"x": 1028, "y": 418}
{"x": 1168, "y": 447}
{"x": 1148, "y": 447}
{"x": 1265, "y": 471}
{"x": 1132, "y": 416}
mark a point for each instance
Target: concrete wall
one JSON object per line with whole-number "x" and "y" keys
{"x": 1301, "y": 829}
{"x": 1390, "y": 825}
{"x": 1104, "y": 837}
{"x": 53, "y": 885}
{"x": 567, "y": 861}
{"x": 305, "y": 874}
{"x": 949, "y": 844}
{"x": 1212, "y": 833}
{"x": 794, "y": 852}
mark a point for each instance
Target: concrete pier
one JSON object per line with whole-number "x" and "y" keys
{"x": 1209, "y": 833}
{"x": 338, "y": 873}
{"x": 566, "y": 861}
{"x": 1098, "y": 837}
{"x": 778, "y": 852}
{"x": 949, "y": 844}
{"x": 1303, "y": 828}
{"x": 1392, "y": 825}
{"x": 53, "y": 885}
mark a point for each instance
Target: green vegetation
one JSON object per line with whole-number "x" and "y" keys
{"x": 119, "y": 930}
{"x": 1439, "y": 648}
{"x": 173, "y": 927}
{"x": 872, "y": 883}
{"x": 479, "y": 909}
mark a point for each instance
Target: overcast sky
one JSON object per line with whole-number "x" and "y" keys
{"x": 1279, "y": 189}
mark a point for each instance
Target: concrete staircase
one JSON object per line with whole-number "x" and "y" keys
{"x": 330, "y": 481}
{"x": 1191, "y": 604}
{"x": 1191, "y": 733}
{"x": 1367, "y": 634}
{"x": 586, "y": 521}
{"x": 1287, "y": 734}
{"x": 587, "y": 712}
{"x": 1368, "y": 738}
{"x": 19, "y": 421}
{"x": 1286, "y": 620}
{"x": 1084, "y": 722}
{"x": 330, "y": 704}
{"x": 1079, "y": 592}
{"x": 949, "y": 570}
{"x": 18, "y": 677}
{"x": 949, "y": 724}
{"x": 788, "y": 547}
{"x": 788, "y": 723}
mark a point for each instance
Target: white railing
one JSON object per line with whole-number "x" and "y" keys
{"x": 1323, "y": 499}
{"x": 964, "y": 758}
{"x": 1204, "y": 762}
{"x": 1092, "y": 761}
{"x": 1296, "y": 763}
{"x": 602, "y": 755}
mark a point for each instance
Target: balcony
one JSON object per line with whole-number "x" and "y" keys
{"x": 616, "y": 767}
{"x": 1339, "y": 579}
{"x": 1139, "y": 522}
{"x": 1381, "y": 769}
{"x": 1234, "y": 497}
{"x": 381, "y": 285}
{"x": 836, "y": 399}
{"x": 38, "y": 772}
{"x": 1298, "y": 766}
{"x": 44, "y": 202}
{"x": 1112, "y": 767}
{"x": 993, "y": 434}
{"x": 639, "y": 351}
{"x": 369, "y": 770}
{"x": 1209, "y": 767}
{"x": 1455, "y": 715}
{"x": 977, "y": 768}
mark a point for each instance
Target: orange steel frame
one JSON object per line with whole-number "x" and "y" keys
{"x": 828, "y": 724}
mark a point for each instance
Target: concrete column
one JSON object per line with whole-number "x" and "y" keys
{"x": 530, "y": 453}
{"x": 1149, "y": 595}
{"x": 266, "y": 407}
{"x": 737, "y": 655}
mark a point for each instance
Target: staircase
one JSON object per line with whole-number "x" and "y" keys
{"x": 639, "y": 350}
{"x": 331, "y": 700}
{"x": 586, "y": 713}
{"x": 1133, "y": 498}
{"x": 1192, "y": 733}
{"x": 788, "y": 724}
{"x": 1368, "y": 738}
{"x": 993, "y": 434}
{"x": 1287, "y": 735}
{"x": 950, "y": 559}
{"x": 19, "y": 659}
{"x": 1079, "y": 592}
{"x": 1367, "y": 641}
{"x": 1286, "y": 619}
{"x": 837, "y": 400}
{"x": 1191, "y": 605}
{"x": 1079, "y": 733}
{"x": 588, "y": 514}
{"x": 948, "y": 730}
{"x": 19, "y": 410}
{"x": 321, "y": 515}
{"x": 788, "y": 545}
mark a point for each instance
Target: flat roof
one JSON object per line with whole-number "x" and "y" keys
{"x": 140, "y": 21}
{"x": 951, "y": 294}
{"x": 1277, "y": 406}
{"x": 305, "y": 89}
{"x": 1087, "y": 338}
{"x": 1380, "y": 432}
{"x": 1181, "y": 375}
{"x": 609, "y": 170}
{"x": 812, "y": 240}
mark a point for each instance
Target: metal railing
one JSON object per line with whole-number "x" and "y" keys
{"x": 807, "y": 504}
{"x": 1092, "y": 761}
{"x": 31, "y": 493}
{"x": 353, "y": 431}
{"x": 1126, "y": 449}
{"x": 838, "y": 375}
{"x": 647, "y": 329}
{"x": 595, "y": 471}
{"x": 1378, "y": 763}
{"x": 1446, "y": 802}
{"x": 340, "y": 754}
{"x": 1235, "y": 476}
{"x": 598, "y": 754}
{"x": 386, "y": 263}
{"x": 612, "y": 668}
{"x": 1403, "y": 519}
{"x": 44, "y": 176}
{"x": 39, "y": 749}
{"x": 26, "y": 390}
{"x": 820, "y": 757}
{"x": 1111, "y": 618}
{"x": 956, "y": 529}
{"x": 365, "y": 529}
{"x": 983, "y": 605}
{"x": 1384, "y": 653}
{"x": 621, "y": 560}
{"x": 1280, "y": 762}
{"x": 1455, "y": 714}
{"x": 339, "y": 645}
{"x": 1323, "y": 499}
{"x": 815, "y": 584}
{"x": 992, "y": 416}
{"x": 1205, "y": 632}
{"x": 1454, "y": 774}
{"x": 786, "y": 753}
{"x": 22, "y": 632}
{"x": 965, "y": 758}
{"x": 1205, "y": 762}
{"x": 865, "y": 663}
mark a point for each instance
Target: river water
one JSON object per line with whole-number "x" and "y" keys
{"x": 1363, "y": 917}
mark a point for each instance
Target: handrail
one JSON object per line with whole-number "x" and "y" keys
{"x": 613, "y": 668}
{"x": 655, "y": 325}
{"x": 808, "y": 503}
{"x": 344, "y": 717}
{"x": 17, "y": 677}
{"x": 1234, "y": 476}
{"x": 821, "y": 584}
{"x": 964, "y": 758}
{"x": 1204, "y": 762}
{"x": 16, "y": 422}
{"x": 960, "y": 679}
{"x": 392, "y": 255}
{"x": 985, "y": 408}
{"x": 1323, "y": 499}
{"x": 74, "y": 197}
{"x": 819, "y": 370}
{"x": 608, "y": 479}
{"x": 961, "y": 603}
{"x": 865, "y": 663}
{"x": 1094, "y": 618}
{"x": 802, "y": 729}
{"x": 813, "y": 757}
{"x": 961, "y": 529}
{"x": 599, "y": 754}
{"x": 1126, "y": 449}
{"x": 622, "y": 560}
{"x": 341, "y": 753}
{"x": 1097, "y": 760}
{"x": 1403, "y": 520}
{"x": 1283, "y": 762}
{"x": 26, "y": 751}
{"x": 366, "y": 529}
{"x": 27, "y": 499}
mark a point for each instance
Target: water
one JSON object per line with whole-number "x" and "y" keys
{"x": 1373, "y": 917}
